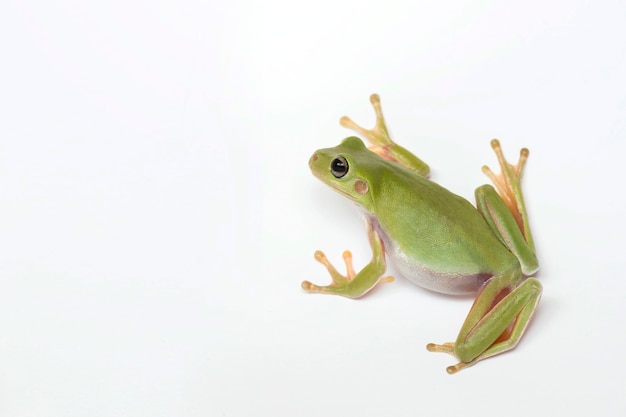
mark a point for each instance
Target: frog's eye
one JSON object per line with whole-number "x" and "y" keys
{"x": 339, "y": 167}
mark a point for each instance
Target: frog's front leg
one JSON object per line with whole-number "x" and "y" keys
{"x": 354, "y": 285}
{"x": 382, "y": 143}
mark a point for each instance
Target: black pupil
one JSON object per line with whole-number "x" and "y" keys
{"x": 339, "y": 167}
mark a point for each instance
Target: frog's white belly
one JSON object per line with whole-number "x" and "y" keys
{"x": 415, "y": 272}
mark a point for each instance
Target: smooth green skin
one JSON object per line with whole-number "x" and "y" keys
{"x": 440, "y": 236}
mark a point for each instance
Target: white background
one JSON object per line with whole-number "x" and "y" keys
{"x": 157, "y": 214}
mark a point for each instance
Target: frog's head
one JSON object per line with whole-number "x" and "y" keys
{"x": 347, "y": 168}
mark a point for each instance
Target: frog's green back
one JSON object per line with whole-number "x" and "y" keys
{"x": 433, "y": 225}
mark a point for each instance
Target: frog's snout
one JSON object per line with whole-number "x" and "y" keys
{"x": 312, "y": 160}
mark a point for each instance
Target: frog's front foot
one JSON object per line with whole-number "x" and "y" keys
{"x": 381, "y": 143}
{"x": 338, "y": 279}
{"x": 351, "y": 285}
{"x": 378, "y": 135}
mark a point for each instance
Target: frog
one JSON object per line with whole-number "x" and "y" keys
{"x": 436, "y": 238}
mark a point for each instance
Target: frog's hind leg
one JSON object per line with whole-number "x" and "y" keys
{"x": 507, "y": 301}
{"x": 509, "y": 186}
{"x": 504, "y": 225}
{"x": 495, "y": 323}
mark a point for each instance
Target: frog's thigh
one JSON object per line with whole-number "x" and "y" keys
{"x": 497, "y": 320}
{"x": 501, "y": 220}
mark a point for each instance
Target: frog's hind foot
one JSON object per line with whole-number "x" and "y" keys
{"x": 509, "y": 185}
{"x": 449, "y": 349}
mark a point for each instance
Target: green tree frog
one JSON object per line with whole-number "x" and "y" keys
{"x": 435, "y": 238}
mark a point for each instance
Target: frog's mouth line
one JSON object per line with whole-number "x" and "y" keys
{"x": 342, "y": 192}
